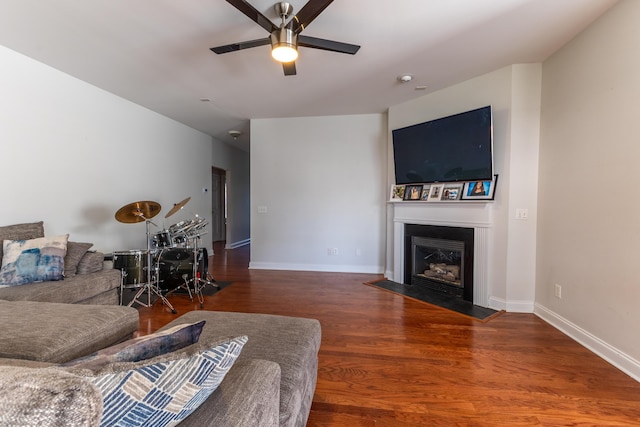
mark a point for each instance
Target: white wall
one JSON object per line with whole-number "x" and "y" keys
{"x": 72, "y": 155}
{"x": 323, "y": 183}
{"x": 237, "y": 165}
{"x": 589, "y": 227}
{"x": 514, "y": 95}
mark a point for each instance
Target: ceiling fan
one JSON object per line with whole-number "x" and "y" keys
{"x": 286, "y": 38}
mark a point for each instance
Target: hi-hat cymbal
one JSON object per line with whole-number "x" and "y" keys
{"x": 177, "y": 207}
{"x": 138, "y": 212}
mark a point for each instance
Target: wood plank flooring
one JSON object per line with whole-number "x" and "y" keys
{"x": 393, "y": 362}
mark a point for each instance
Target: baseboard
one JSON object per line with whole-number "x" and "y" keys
{"x": 235, "y": 245}
{"x": 316, "y": 267}
{"x": 511, "y": 306}
{"x": 617, "y": 358}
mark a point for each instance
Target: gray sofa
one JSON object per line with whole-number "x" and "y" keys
{"x": 271, "y": 383}
{"x": 87, "y": 282}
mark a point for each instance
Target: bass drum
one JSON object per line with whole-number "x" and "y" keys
{"x": 176, "y": 266}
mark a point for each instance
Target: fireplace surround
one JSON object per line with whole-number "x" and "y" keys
{"x": 475, "y": 216}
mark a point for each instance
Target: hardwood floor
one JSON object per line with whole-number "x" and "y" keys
{"x": 392, "y": 362}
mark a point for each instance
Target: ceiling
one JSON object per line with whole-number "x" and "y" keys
{"x": 156, "y": 52}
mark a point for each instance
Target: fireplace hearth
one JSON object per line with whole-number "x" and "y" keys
{"x": 440, "y": 258}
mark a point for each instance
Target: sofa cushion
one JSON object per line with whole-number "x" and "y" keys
{"x": 142, "y": 348}
{"x": 58, "y": 333}
{"x": 166, "y": 389}
{"x": 249, "y": 396}
{"x": 34, "y": 260}
{"x": 91, "y": 262}
{"x": 75, "y": 252}
{"x": 291, "y": 342}
{"x": 47, "y": 397}
{"x": 71, "y": 290}
{"x": 25, "y": 231}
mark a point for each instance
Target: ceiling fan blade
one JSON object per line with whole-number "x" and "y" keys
{"x": 253, "y": 14}
{"x": 241, "y": 45}
{"x": 307, "y": 14}
{"x": 289, "y": 68}
{"x": 330, "y": 45}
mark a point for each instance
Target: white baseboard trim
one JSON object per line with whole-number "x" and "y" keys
{"x": 237, "y": 244}
{"x": 511, "y": 306}
{"x": 313, "y": 267}
{"x": 617, "y": 358}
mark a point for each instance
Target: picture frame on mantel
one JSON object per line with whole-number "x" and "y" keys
{"x": 480, "y": 190}
{"x": 397, "y": 192}
{"x": 435, "y": 192}
{"x": 451, "y": 193}
{"x": 413, "y": 192}
{"x": 425, "y": 193}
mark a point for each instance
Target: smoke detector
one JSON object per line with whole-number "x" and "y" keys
{"x": 235, "y": 134}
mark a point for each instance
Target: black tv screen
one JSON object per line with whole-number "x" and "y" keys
{"x": 449, "y": 149}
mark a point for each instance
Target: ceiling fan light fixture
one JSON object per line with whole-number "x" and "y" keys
{"x": 283, "y": 45}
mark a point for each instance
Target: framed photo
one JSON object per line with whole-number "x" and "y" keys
{"x": 451, "y": 193}
{"x": 480, "y": 190}
{"x": 425, "y": 193}
{"x": 435, "y": 192}
{"x": 413, "y": 192}
{"x": 397, "y": 192}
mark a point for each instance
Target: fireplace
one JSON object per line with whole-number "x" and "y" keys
{"x": 440, "y": 258}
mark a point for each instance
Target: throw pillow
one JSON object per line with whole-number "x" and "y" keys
{"x": 25, "y": 231}
{"x": 142, "y": 348}
{"x": 164, "y": 390}
{"x": 47, "y": 397}
{"x": 75, "y": 252}
{"x": 90, "y": 263}
{"x": 35, "y": 260}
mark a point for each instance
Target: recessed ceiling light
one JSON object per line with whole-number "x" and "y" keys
{"x": 405, "y": 78}
{"x": 421, "y": 87}
{"x": 205, "y": 99}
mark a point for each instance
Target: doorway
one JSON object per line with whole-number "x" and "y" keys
{"x": 218, "y": 204}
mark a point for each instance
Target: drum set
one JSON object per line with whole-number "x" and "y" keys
{"x": 173, "y": 259}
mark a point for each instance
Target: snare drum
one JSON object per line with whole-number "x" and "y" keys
{"x": 133, "y": 265}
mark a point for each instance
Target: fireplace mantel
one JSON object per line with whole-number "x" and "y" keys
{"x": 476, "y": 217}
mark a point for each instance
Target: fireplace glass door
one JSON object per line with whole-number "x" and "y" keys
{"x": 438, "y": 264}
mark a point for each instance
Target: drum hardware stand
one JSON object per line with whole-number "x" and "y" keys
{"x": 198, "y": 282}
{"x": 149, "y": 287}
{"x": 184, "y": 285}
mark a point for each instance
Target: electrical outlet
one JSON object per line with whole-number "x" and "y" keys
{"x": 522, "y": 213}
{"x": 332, "y": 251}
{"x": 262, "y": 209}
{"x": 558, "y": 291}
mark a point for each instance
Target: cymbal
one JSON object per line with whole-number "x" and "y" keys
{"x": 138, "y": 212}
{"x": 177, "y": 207}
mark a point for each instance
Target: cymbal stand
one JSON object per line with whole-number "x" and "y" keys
{"x": 198, "y": 282}
{"x": 150, "y": 287}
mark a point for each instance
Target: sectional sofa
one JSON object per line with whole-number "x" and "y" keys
{"x": 268, "y": 380}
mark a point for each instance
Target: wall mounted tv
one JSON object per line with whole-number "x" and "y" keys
{"x": 453, "y": 148}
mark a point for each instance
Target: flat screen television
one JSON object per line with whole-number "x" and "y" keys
{"x": 449, "y": 149}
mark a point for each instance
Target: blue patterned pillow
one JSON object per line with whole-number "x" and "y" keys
{"x": 166, "y": 389}
{"x": 142, "y": 348}
{"x": 35, "y": 260}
